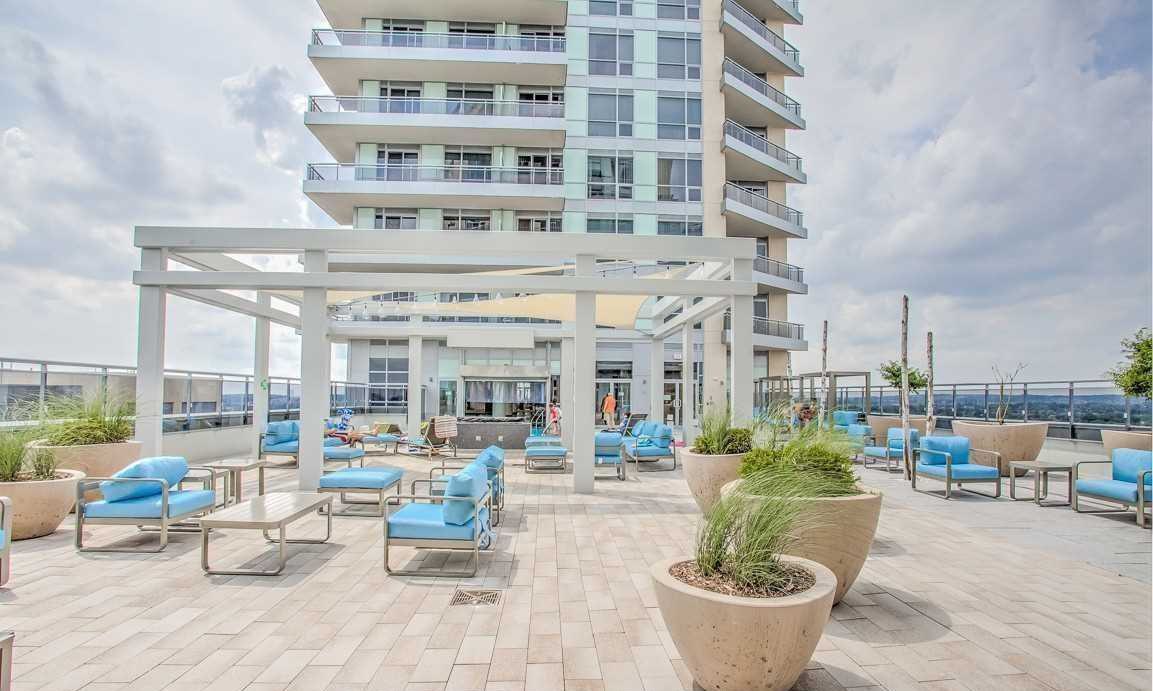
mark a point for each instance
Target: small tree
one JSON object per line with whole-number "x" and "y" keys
{"x": 1005, "y": 380}
{"x": 891, "y": 374}
{"x": 1134, "y": 376}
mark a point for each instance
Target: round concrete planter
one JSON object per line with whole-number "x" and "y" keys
{"x": 1118, "y": 439}
{"x": 839, "y": 535}
{"x": 747, "y": 643}
{"x": 39, "y": 506}
{"x": 880, "y": 425}
{"x": 1015, "y": 441}
{"x": 706, "y": 475}
{"x": 94, "y": 460}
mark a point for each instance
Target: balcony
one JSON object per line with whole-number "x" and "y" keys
{"x": 340, "y": 188}
{"x": 344, "y": 58}
{"x": 783, "y": 11}
{"x": 749, "y": 156}
{"x": 773, "y": 275}
{"x": 341, "y": 122}
{"x": 751, "y": 215}
{"x": 349, "y": 14}
{"x": 772, "y": 334}
{"x": 755, "y": 102}
{"x": 751, "y": 43}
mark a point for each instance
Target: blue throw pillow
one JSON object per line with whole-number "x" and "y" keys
{"x": 493, "y": 456}
{"x": 170, "y": 468}
{"x": 462, "y": 484}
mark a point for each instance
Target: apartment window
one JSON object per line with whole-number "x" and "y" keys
{"x": 539, "y": 166}
{"x": 762, "y": 247}
{"x": 752, "y": 186}
{"x": 409, "y": 25}
{"x": 691, "y": 226}
{"x": 610, "y": 176}
{"x": 395, "y": 219}
{"x": 611, "y": 53}
{"x": 761, "y": 308}
{"x": 538, "y": 222}
{"x": 541, "y": 94}
{"x": 395, "y": 296}
{"x": 398, "y": 97}
{"x": 678, "y": 117}
{"x": 468, "y": 163}
{"x": 393, "y": 163}
{"x": 541, "y": 31}
{"x": 678, "y": 56}
{"x": 388, "y": 375}
{"x": 611, "y": 114}
{"x": 678, "y": 179}
{"x": 466, "y": 219}
{"x": 611, "y": 223}
{"x": 471, "y": 92}
{"x": 611, "y": 8}
{"x": 476, "y": 28}
{"x": 679, "y": 9}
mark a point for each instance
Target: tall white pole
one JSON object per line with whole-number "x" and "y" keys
{"x": 906, "y": 452}
{"x": 315, "y": 374}
{"x": 415, "y": 379}
{"x": 688, "y": 382}
{"x": 567, "y": 390}
{"x": 261, "y": 345}
{"x": 930, "y": 419}
{"x": 741, "y": 348}
{"x": 153, "y": 309}
{"x": 584, "y": 373}
{"x": 657, "y": 380}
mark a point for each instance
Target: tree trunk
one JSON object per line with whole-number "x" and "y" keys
{"x": 930, "y": 419}
{"x": 906, "y": 453}
{"x": 823, "y": 411}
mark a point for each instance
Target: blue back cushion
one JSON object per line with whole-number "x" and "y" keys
{"x": 664, "y": 436}
{"x": 647, "y": 427}
{"x": 293, "y": 429}
{"x": 856, "y": 430}
{"x": 464, "y": 483}
{"x": 493, "y": 457}
{"x": 844, "y": 417}
{"x": 277, "y": 433}
{"x": 1128, "y": 464}
{"x": 896, "y": 438}
{"x": 170, "y": 468}
{"x": 957, "y": 446}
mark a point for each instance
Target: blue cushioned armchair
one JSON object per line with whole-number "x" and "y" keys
{"x": 607, "y": 453}
{"x": 651, "y": 442}
{"x": 492, "y": 460}
{"x": 457, "y": 519}
{"x": 892, "y": 451}
{"x": 146, "y": 493}
{"x": 1130, "y": 482}
{"x": 5, "y": 539}
{"x": 282, "y": 438}
{"x": 949, "y": 459}
{"x": 843, "y": 418}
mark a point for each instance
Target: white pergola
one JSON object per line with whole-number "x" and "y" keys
{"x": 721, "y": 278}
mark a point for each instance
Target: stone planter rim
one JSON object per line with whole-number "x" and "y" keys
{"x": 39, "y": 444}
{"x": 865, "y": 491}
{"x": 824, "y": 582}
{"x": 1007, "y": 423}
{"x": 72, "y": 475}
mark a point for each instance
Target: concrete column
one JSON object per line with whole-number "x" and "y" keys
{"x": 415, "y": 368}
{"x": 567, "y": 405}
{"x": 153, "y": 308}
{"x": 714, "y": 362}
{"x": 315, "y": 374}
{"x": 260, "y": 374}
{"x": 657, "y": 380}
{"x": 741, "y": 347}
{"x": 688, "y": 394}
{"x": 584, "y": 373}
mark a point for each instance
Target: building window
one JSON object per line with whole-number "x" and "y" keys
{"x": 466, "y": 219}
{"x": 619, "y": 224}
{"x": 395, "y": 296}
{"x": 395, "y": 219}
{"x": 691, "y": 226}
{"x": 610, "y": 176}
{"x": 678, "y": 57}
{"x": 678, "y": 117}
{"x": 469, "y": 92}
{"x": 611, "y": 114}
{"x": 611, "y": 8}
{"x": 541, "y": 31}
{"x": 611, "y": 53}
{"x": 678, "y": 179}
{"x": 538, "y": 222}
{"x": 679, "y": 9}
{"x": 388, "y": 376}
{"x": 468, "y": 163}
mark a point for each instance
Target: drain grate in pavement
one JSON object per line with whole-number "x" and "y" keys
{"x": 475, "y": 597}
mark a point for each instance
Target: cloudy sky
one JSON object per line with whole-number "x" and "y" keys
{"x": 989, "y": 159}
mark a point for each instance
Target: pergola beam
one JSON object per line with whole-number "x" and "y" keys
{"x": 217, "y": 298}
{"x": 699, "y": 312}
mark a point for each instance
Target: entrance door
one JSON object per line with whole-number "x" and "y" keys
{"x": 622, "y": 392}
{"x": 672, "y": 406}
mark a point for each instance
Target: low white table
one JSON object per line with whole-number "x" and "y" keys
{"x": 234, "y": 476}
{"x": 266, "y": 512}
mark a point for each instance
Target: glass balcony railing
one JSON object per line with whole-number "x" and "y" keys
{"x": 763, "y": 145}
{"x": 750, "y": 20}
{"x": 763, "y": 204}
{"x": 778, "y": 268}
{"x": 772, "y": 327}
{"x": 434, "y": 106}
{"x": 762, "y": 87}
{"x": 416, "y": 173}
{"x": 450, "y": 41}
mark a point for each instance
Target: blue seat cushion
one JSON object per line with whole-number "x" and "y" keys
{"x": 961, "y": 471}
{"x": 856, "y": 430}
{"x": 169, "y": 468}
{"x": 545, "y": 452}
{"x": 638, "y": 449}
{"x": 881, "y": 452}
{"x": 179, "y": 502}
{"x": 958, "y": 447}
{"x": 542, "y": 440}
{"x": 333, "y": 441}
{"x": 282, "y": 447}
{"x": 464, "y": 484}
{"x": 3, "y": 539}
{"x": 607, "y": 459}
{"x": 1111, "y": 489}
{"x": 343, "y": 453}
{"x": 380, "y": 438}
{"x": 376, "y": 477}
{"x": 426, "y": 522}
{"x": 1128, "y": 464}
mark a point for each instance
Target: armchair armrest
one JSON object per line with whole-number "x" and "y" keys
{"x": 997, "y": 454}
{"x": 1078, "y": 464}
{"x": 933, "y": 452}
{"x": 430, "y": 482}
{"x": 195, "y": 472}
{"x": 90, "y": 483}
{"x": 1142, "y": 478}
{"x": 6, "y": 519}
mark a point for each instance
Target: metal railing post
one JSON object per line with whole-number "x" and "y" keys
{"x": 43, "y": 386}
{"x": 1072, "y": 416}
{"x": 1025, "y": 402}
{"x": 954, "y": 401}
{"x": 986, "y": 403}
{"x": 188, "y": 403}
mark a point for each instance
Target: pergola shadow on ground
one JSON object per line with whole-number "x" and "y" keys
{"x": 569, "y": 269}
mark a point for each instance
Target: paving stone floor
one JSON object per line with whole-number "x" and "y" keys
{"x": 966, "y": 594}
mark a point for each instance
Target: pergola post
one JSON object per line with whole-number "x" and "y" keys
{"x": 584, "y": 373}
{"x": 415, "y": 400}
{"x": 657, "y": 380}
{"x": 260, "y": 374}
{"x": 567, "y": 405}
{"x": 688, "y": 393}
{"x": 315, "y": 374}
{"x": 153, "y": 308}
{"x": 741, "y": 348}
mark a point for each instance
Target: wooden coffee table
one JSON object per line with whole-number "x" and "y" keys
{"x": 265, "y": 513}
{"x": 1041, "y": 470}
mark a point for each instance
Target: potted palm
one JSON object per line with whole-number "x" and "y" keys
{"x": 741, "y": 612}
{"x": 1134, "y": 377}
{"x": 89, "y": 434}
{"x": 715, "y": 456}
{"x": 844, "y": 512}
{"x": 1014, "y": 441}
{"x": 41, "y": 494}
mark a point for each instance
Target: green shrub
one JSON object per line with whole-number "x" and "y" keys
{"x": 77, "y": 421}
{"x": 1135, "y": 376}
{"x": 17, "y": 462}
{"x": 11, "y": 454}
{"x": 826, "y": 454}
{"x": 719, "y": 437}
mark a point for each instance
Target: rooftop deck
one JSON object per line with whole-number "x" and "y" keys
{"x": 1025, "y": 598}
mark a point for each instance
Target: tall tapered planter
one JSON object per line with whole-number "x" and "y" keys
{"x": 706, "y": 475}
{"x": 1015, "y": 441}
{"x": 40, "y": 506}
{"x": 880, "y": 424}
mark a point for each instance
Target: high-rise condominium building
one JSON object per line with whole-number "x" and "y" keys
{"x": 645, "y": 117}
